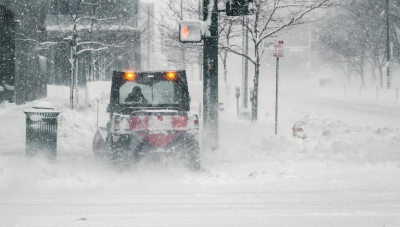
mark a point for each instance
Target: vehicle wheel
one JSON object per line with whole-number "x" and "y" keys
{"x": 120, "y": 154}
{"x": 192, "y": 152}
{"x": 125, "y": 152}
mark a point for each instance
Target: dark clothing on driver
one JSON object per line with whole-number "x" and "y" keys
{"x": 136, "y": 96}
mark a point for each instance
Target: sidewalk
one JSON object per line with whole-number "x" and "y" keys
{"x": 12, "y": 129}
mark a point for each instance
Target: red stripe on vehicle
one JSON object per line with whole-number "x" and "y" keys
{"x": 179, "y": 122}
{"x": 140, "y": 123}
{"x": 160, "y": 140}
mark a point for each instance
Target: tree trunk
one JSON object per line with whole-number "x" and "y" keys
{"x": 74, "y": 64}
{"x": 255, "y": 93}
{"x": 225, "y": 63}
{"x": 91, "y": 69}
{"x": 348, "y": 72}
{"x": 76, "y": 81}
{"x": 72, "y": 61}
{"x": 362, "y": 76}
{"x": 380, "y": 77}
{"x": 373, "y": 75}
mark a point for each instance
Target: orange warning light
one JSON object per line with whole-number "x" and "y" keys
{"x": 131, "y": 76}
{"x": 191, "y": 31}
{"x": 185, "y": 32}
{"x": 171, "y": 76}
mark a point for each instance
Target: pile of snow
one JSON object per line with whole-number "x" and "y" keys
{"x": 248, "y": 149}
{"x": 9, "y": 87}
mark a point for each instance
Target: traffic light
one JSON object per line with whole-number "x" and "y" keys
{"x": 239, "y": 7}
{"x": 191, "y": 31}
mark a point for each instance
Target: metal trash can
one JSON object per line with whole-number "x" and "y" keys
{"x": 41, "y": 132}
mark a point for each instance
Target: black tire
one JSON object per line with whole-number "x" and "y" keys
{"x": 124, "y": 153}
{"x": 191, "y": 148}
{"x": 121, "y": 154}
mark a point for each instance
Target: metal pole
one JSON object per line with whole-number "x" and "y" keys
{"x": 277, "y": 96}
{"x": 237, "y": 106}
{"x": 210, "y": 81}
{"x": 200, "y": 58}
{"x": 388, "y": 45}
{"x": 309, "y": 50}
{"x": 183, "y": 48}
{"x": 98, "y": 103}
{"x": 246, "y": 66}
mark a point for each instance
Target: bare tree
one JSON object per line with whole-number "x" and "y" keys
{"x": 354, "y": 35}
{"x": 229, "y": 30}
{"x": 88, "y": 17}
{"x": 90, "y": 26}
{"x": 269, "y": 19}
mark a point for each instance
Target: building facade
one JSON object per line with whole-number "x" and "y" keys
{"x": 22, "y": 76}
{"x": 102, "y": 47}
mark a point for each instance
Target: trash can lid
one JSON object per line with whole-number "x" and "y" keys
{"x": 43, "y": 109}
{"x": 42, "y": 105}
{"x": 46, "y": 113}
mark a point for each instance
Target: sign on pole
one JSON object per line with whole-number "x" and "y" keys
{"x": 278, "y": 49}
{"x": 191, "y": 31}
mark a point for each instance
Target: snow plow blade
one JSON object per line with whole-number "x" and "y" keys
{"x": 99, "y": 142}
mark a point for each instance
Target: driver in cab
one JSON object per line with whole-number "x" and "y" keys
{"x": 136, "y": 96}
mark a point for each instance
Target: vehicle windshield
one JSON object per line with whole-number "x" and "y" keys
{"x": 155, "y": 93}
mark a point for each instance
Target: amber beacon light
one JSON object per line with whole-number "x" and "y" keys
{"x": 171, "y": 76}
{"x": 131, "y": 76}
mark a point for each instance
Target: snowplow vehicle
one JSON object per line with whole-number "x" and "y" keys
{"x": 149, "y": 113}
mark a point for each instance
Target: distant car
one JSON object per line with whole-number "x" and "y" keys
{"x": 149, "y": 112}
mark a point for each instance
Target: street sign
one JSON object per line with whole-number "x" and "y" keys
{"x": 190, "y": 31}
{"x": 278, "y": 49}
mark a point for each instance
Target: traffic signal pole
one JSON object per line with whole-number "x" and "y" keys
{"x": 210, "y": 135}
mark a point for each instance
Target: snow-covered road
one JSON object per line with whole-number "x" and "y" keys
{"x": 81, "y": 192}
{"x": 345, "y": 174}
{"x": 212, "y": 204}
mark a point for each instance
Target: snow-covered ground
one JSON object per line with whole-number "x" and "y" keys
{"x": 346, "y": 173}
